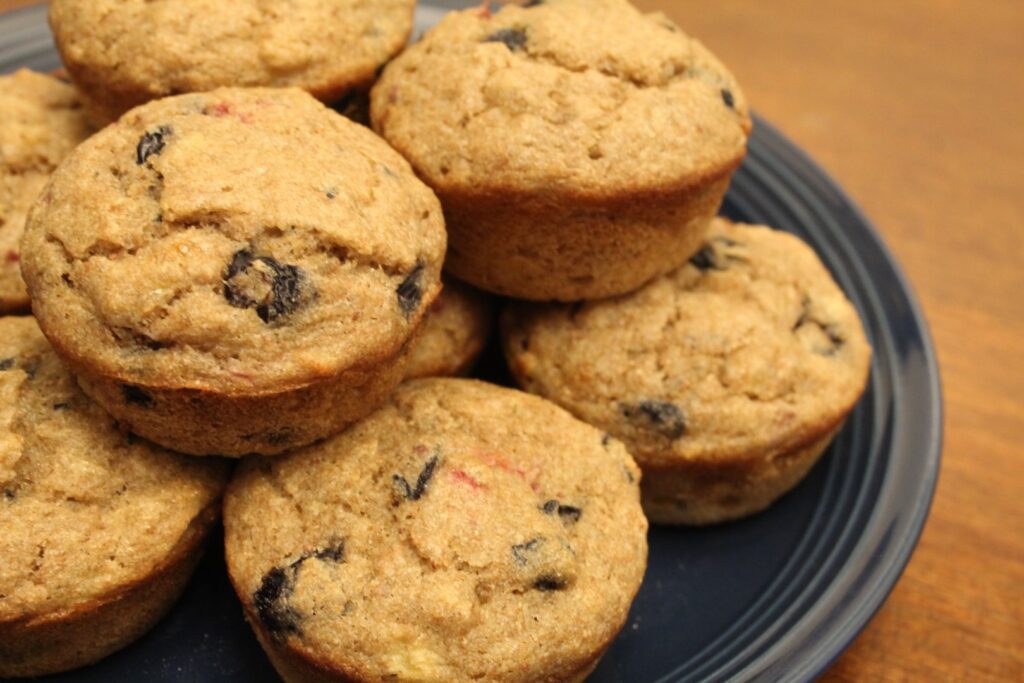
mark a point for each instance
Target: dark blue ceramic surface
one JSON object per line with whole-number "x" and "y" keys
{"x": 776, "y": 597}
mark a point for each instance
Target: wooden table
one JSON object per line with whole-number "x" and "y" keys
{"x": 916, "y": 108}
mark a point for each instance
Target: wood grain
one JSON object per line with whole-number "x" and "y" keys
{"x": 14, "y": 4}
{"x": 915, "y": 108}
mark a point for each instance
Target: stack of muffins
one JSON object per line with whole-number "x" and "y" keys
{"x": 232, "y": 269}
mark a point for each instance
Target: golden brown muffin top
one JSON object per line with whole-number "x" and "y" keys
{"x": 42, "y": 123}
{"x": 85, "y": 510}
{"x": 748, "y": 350}
{"x": 242, "y": 240}
{"x": 146, "y": 49}
{"x": 580, "y": 97}
{"x": 463, "y": 532}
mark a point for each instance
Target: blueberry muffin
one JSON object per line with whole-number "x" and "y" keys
{"x": 449, "y": 537}
{"x": 99, "y": 531}
{"x": 126, "y": 52}
{"x": 579, "y": 147}
{"x": 454, "y": 333}
{"x": 42, "y": 123}
{"x": 726, "y": 378}
{"x": 235, "y": 271}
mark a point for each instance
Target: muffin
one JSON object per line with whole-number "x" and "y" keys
{"x": 579, "y": 147}
{"x": 454, "y": 332}
{"x": 234, "y": 272}
{"x": 726, "y": 378}
{"x": 99, "y": 531}
{"x": 128, "y": 52}
{"x": 448, "y": 537}
{"x": 43, "y": 121}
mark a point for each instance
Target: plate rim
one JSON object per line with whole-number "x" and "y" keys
{"x": 830, "y": 644}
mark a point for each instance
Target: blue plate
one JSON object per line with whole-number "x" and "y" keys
{"x": 778, "y": 596}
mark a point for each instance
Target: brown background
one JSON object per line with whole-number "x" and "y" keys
{"x": 916, "y": 108}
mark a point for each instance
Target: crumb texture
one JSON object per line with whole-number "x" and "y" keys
{"x": 125, "y": 52}
{"x": 86, "y": 511}
{"x": 588, "y": 97}
{"x": 448, "y": 537}
{"x": 748, "y": 350}
{"x": 241, "y": 240}
{"x": 42, "y": 123}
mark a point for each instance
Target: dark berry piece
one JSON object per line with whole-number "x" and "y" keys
{"x": 286, "y": 292}
{"x": 332, "y": 553}
{"x": 727, "y": 98}
{"x": 533, "y": 3}
{"x": 9, "y": 494}
{"x": 61, "y": 406}
{"x": 6, "y": 364}
{"x": 137, "y": 396}
{"x": 705, "y": 259}
{"x": 270, "y": 600}
{"x": 264, "y": 283}
{"x": 416, "y": 492}
{"x": 835, "y": 337}
{"x": 805, "y": 313}
{"x": 521, "y": 551}
{"x": 606, "y": 439}
{"x": 513, "y": 38}
{"x": 550, "y": 582}
{"x": 568, "y": 513}
{"x": 152, "y": 143}
{"x": 332, "y": 193}
{"x": 410, "y": 292}
{"x": 240, "y": 262}
{"x": 709, "y": 258}
{"x": 666, "y": 418}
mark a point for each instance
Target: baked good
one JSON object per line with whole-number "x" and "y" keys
{"x": 126, "y": 52}
{"x": 235, "y": 271}
{"x": 726, "y": 378}
{"x": 42, "y": 122}
{"x": 579, "y": 147}
{"x": 99, "y": 531}
{"x": 454, "y": 332}
{"x": 450, "y": 536}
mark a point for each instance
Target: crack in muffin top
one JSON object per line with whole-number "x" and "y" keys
{"x": 242, "y": 239}
{"x": 582, "y": 97}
